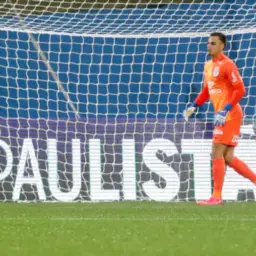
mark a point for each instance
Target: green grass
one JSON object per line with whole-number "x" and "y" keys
{"x": 127, "y": 228}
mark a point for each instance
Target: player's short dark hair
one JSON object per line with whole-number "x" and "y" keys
{"x": 221, "y": 36}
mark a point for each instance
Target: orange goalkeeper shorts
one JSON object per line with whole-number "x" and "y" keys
{"x": 228, "y": 134}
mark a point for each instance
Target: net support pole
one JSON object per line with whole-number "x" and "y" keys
{"x": 46, "y": 62}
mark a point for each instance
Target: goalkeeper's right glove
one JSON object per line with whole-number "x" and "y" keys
{"x": 189, "y": 111}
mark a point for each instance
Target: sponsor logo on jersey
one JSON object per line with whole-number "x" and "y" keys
{"x": 210, "y": 84}
{"x": 217, "y": 131}
{"x": 213, "y": 90}
{"x": 216, "y": 71}
{"x": 235, "y": 138}
{"x": 234, "y": 78}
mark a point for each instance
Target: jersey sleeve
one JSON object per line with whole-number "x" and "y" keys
{"x": 204, "y": 94}
{"x": 202, "y": 97}
{"x": 236, "y": 81}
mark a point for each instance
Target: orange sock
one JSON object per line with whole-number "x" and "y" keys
{"x": 240, "y": 167}
{"x": 218, "y": 171}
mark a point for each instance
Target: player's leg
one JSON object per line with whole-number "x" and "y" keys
{"x": 218, "y": 168}
{"x": 219, "y": 147}
{"x": 238, "y": 165}
{"x": 218, "y": 171}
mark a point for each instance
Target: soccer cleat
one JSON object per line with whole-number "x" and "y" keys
{"x": 211, "y": 201}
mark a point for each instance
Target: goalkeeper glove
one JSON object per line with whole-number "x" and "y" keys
{"x": 221, "y": 116}
{"x": 189, "y": 111}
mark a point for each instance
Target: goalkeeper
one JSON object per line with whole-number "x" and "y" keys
{"x": 225, "y": 88}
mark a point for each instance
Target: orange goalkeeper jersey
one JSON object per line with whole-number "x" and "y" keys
{"x": 223, "y": 85}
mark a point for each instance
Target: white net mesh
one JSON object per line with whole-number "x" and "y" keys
{"x": 92, "y": 95}
{"x": 167, "y": 18}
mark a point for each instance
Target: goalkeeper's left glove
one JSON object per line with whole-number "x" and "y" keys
{"x": 221, "y": 116}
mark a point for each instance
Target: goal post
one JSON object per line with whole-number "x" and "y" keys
{"x": 92, "y": 95}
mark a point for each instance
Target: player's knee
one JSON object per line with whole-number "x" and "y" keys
{"x": 217, "y": 151}
{"x": 228, "y": 158}
{"x": 229, "y": 155}
{"x": 226, "y": 161}
{"x": 217, "y": 154}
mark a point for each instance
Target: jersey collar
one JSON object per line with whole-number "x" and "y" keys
{"x": 219, "y": 58}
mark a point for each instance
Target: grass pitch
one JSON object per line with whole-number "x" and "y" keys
{"x": 127, "y": 228}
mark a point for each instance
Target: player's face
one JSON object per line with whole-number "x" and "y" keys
{"x": 214, "y": 46}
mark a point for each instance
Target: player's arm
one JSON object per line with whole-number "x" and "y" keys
{"x": 236, "y": 81}
{"x": 202, "y": 97}
{"x": 237, "y": 84}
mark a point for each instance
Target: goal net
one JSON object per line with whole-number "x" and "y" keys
{"x": 91, "y": 96}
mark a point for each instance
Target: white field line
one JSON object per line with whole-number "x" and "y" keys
{"x": 128, "y": 219}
